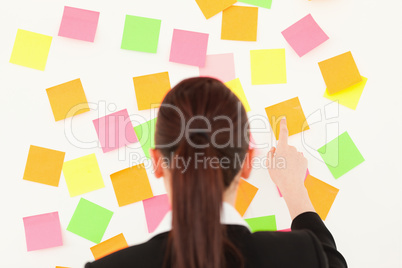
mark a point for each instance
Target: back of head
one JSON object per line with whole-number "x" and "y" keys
{"x": 202, "y": 130}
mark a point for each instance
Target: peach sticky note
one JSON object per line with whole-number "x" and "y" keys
{"x": 212, "y": 7}
{"x": 115, "y": 130}
{"x": 219, "y": 66}
{"x": 350, "y": 96}
{"x": 340, "y": 72}
{"x": 31, "y": 49}
{"x": 155, "y": 210}
{"x": 239, "y": 23}
{"x": 189, "y": 48}
{"x": 82, "y": 175}
{"x": 322, "y": 195}
{"x": 245, "y": 194}
{"x": 79, "y": 24}
{"x": 44, "y": 165}
{"x": 43, "y": 231}
{"x": 268, "y": 66}
{"x": 237, "y": 89}
{"x": 292, "y": 110}
{"x": 109, "y": 246}
{"x": 304, "y": 35}
{"x": 151, "y": 89}
{"x": 131, "y": 185}
{"x": 67, "y": 99}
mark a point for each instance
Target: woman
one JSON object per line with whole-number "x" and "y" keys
{"x": 201, "y": 151}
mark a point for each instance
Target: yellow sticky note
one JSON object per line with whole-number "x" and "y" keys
{"x": 44, "y": 165}
{"x": 245, "y": 194}
{"x": 350, "y": 96}
{"x": 235, "y": 86}
{"x": 292, "y": 110}
{"x": 239, "y": 23}
{"x": 322, "y": 195}
{"x": 109, "y": 246}
{"x": 131, "y": 185}
{"x": 268, "y": 66}
{"x": 67, "y": 99}
{"x": 31, "y": 49}
{"x": 340, "y": 72}
{"x": 82, "y": 175}
{"x": 151, "y": 89}
{"x": 212, "y": 7}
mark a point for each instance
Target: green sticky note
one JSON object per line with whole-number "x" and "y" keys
{"x": 258, "y": 3}
{"x": 141, "y": 34}
{"x": 145, "y": 134}
{"x": 266, "y": 223}
{"x": 90, "y": 221}
{"x": 341, "y": 155}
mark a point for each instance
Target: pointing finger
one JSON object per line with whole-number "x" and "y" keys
{"x": 283, "y": 133}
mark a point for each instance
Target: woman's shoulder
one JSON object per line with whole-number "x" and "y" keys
{"x": 148, "y": 254}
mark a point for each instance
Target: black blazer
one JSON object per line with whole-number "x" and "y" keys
{"x": 310, "y": 245}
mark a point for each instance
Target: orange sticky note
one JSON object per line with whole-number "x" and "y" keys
{"x": 239, "y": 23}
{"x": 109, "y": 246}
{"x": 293, "y": 112}
{"x": 131, "y": 185}
{"x": 61, "y": 267}
{"x": 44, "y": 165}
{"x": 340, "y": 72}
{"x": 322, "y": 195}
{"x": 245, "y": 194}
{"x": 151, "y": 89}
{"x": 212, "y": 7}
{"x": 67, "y": 99}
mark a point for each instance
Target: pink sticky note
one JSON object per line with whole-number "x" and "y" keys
{"x": 189, "y": 47}
{"x": 304, "y": 35}
{"x": 285, "y": 230}
{"x": 43, "y": 231}
{"x": 155, "y": 209}
{"x": 79, "y": 24}
{"x": 307, "y": 173}
{"x": 219, "y": 66}
{"x": 115, "y": 130}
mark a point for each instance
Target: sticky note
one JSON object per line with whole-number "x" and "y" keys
{"x": 189, "y": 48}
{"x": 82, "y": 175}
{"x": 304, "y": 35}
{"x": 239, "y": 23}
{"x": 285, "y": 230}
{"x": 237, "y": 89}
{"x": 31, "y": 49}
{"x": 245, "y": 194}
{"x": 62, "y": 267}
{"x": 131, "y": 185}
{"x": 90, "y": 221}
{"x": 341, "y": 155}
{"x": 155, "y": 210}
{"x": 79, "y": 24}
{"x": 109, "y": 246}
{"x": 322, "y": 195}
{"x": 258, "y": 224}
{"x": 350, "y": 96}
{"x": 67, "y": 99}
{"x": 44, "y": 165}
{"x": 212, "y": 7}
{"x": 43, "y": 231}
{"x": 219, "y": 66}
{"x": 339, "y": 72}
{"x": 146, "y": 133}
{"x": 268, "y": 66}
{"x": 258, "y": 3}
{"x": 151, "y": 89}
{"x": 115, "y": 130}
{"x": 292, "y": 110}
{"x": 307, "y": 173}
{"x": 141, "y": 34}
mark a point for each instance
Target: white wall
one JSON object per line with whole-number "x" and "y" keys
{"x": 366, "y": 216}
